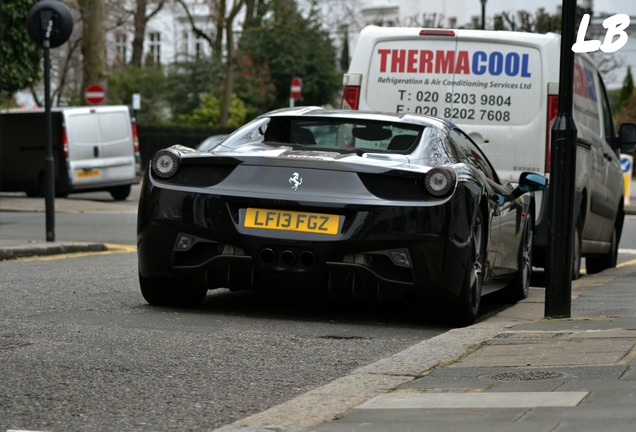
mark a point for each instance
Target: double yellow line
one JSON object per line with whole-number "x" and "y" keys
{"x": 111, "y": 248}
{"x": 626, "y": 263}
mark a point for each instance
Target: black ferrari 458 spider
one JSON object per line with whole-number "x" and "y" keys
{"x": 353, "y": 202}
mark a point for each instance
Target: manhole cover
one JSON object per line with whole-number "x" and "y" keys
{"x": 522, "y": 376}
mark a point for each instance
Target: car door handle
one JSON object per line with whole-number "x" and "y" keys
{"x": 96, "y": 151}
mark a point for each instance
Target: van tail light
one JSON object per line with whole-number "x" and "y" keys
{"x": 553, "y": 111}
{"x": 136, "y": 150}
{"x": 350, "y": 97}
{"x": 64, "y": 140}
{"x": 135, "y": 137}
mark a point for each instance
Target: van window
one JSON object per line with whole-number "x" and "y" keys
{"x": 83, "y": 129}
{"x": 466, "y": 82}
{"x": 586, "y": 93}
{"x": 608, "y": 124}
{"x": 115, "y": 126}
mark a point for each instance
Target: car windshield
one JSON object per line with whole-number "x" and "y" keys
{"x": 342, "y": 133}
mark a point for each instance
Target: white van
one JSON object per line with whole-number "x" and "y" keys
{"x": 502, "y": 89}
{"x": 95, "y": 149}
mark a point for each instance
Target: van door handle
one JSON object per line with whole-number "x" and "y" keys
{"x": 96, "y": 151}
{"x": 608, "y": 156}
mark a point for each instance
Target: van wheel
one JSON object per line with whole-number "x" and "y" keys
{"x": 171, "y": 291}
{"x": 120, "y": 193}
{"x": 596, "y": 264}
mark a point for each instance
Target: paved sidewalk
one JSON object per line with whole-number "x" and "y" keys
{"x": 512, "y": 372}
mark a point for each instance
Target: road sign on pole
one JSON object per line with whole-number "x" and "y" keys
{"x": 295, "y": 90}
{"x": 626, "y": 166}
{"x": 95, "y": 94}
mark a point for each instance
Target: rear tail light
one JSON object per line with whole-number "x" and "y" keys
{"x": 165, "y": 163}
{"x": 350, "y": 97}
{"x": 553, "y": 111}
{"x": 440, "y": 181}
{"x": 64, "y": 139}
{"x": 135, "y": 137}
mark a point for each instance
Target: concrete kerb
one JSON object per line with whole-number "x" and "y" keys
{"x": 13, "y": 249}
{"x": 334, "y": 399}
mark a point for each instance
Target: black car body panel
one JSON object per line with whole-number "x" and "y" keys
{"x": 251, "y": 214}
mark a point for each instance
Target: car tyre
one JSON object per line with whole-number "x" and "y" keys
{"x": 520, "y": 286}
{"x": 120, "y": 193}
{"x": 596, "y": 264}
{"x": 171, "y": 291}
{"x": 469, "y": 300}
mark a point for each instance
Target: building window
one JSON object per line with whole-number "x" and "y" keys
{"x": 155, "y": 47}
{"x": 121, "y": 44}
{"x": 185, "y": 44}
{"x": 199, "y": 48}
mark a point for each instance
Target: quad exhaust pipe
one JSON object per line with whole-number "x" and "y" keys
{"x": 287, "y": 258}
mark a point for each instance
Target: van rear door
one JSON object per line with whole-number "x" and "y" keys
{"x": 490, "y": 86}
{"x": 415, "y": 73}
{"x": 84, "y": 147}
{"x": 117, "y": 146}
{"x": 100, "y": 146}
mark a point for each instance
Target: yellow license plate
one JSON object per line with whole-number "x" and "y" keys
{"x": 319, "y": 223}
{"x": 87, "y": 173}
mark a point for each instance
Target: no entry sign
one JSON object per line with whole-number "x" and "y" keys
{"x": 94, "y": 94}
{"x": 296, "y": 88}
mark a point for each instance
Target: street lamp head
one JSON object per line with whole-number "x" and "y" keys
{"x": 49, "y": 22}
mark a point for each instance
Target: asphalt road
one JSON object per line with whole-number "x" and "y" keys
{"x": 80, "y": 349}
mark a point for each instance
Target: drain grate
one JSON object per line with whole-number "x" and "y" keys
{"x": 522, "y": 376}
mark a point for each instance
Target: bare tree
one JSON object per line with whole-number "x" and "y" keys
{"x": 93, "y": 43}
{"x": 223, "y": 15}
{"x": 141, "y": 18}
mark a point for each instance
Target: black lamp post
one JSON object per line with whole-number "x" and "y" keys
{"x": 562, "y": 181}
{"x": 50, "y": 25}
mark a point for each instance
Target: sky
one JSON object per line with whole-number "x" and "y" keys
{"x": 464, "y": 9}
{"x": 610, "y": 6}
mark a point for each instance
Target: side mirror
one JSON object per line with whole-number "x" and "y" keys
{"x": 529, "y": 182}
{"x": 627, "y": 137}
{"x": 532, "y": 182}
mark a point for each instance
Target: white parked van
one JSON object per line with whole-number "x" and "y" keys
{"x": 502, "y": 89}
{"x": 95, "y": 149}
